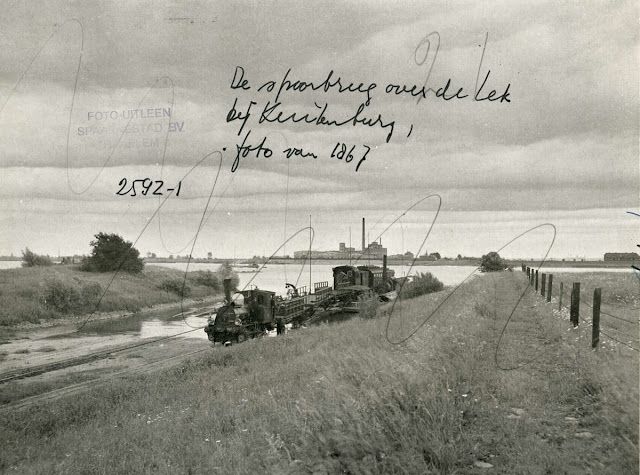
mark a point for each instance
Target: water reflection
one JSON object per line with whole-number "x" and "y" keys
{"x": 161, "y": 328}
{"x": 127, "y": 325}
{"x": 151, "y": 325}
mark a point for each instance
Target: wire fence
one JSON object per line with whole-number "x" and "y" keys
{"x": 587, "y": 304}
{"x": 544, "y": 285}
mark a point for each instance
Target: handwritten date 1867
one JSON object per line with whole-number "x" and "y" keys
{"x": 146, "y": 184}
{"x": 340, "y": 152}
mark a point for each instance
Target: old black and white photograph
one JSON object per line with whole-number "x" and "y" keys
{"x": 339, "y": 237}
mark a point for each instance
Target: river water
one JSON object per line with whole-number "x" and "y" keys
{"x": 274, "y": 276}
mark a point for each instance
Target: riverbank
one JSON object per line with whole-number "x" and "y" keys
{"x": 42, "y": 296}
{"x": 461, "y": 394}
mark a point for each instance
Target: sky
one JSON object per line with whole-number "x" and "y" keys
{"x": 553, "y": 157}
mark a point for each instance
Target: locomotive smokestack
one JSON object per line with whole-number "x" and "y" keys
{"x": 227, "y": 289}
{"x": 384, "y": 270}
{"x": 363, "y": 235}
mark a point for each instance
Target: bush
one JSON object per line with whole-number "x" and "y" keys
{"x": 91, "y": 292}
{"x": 177, "y": 286}
{"x": 68, "y": 298}
{"x": 31, "y": 259}
{"x": 492, "y": 262}
{"x": 208, "y": 279}
{"x": 112, "y": 253}
{"x": 62, "y": 296}
{"x": 422, "y": 283}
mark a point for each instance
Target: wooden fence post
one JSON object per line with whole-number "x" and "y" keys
{"x": 536, "y": 280}
{"x": 595, "y": 334}
{"x": 549, "y": 288}
{"x": 561, "y": 293}
{"x": 575, "y": 304}
{"x": 528, "y": 273}
{"x": 543, "y": 284}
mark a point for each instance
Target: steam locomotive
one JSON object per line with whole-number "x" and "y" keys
{"x": 252, "y": 313}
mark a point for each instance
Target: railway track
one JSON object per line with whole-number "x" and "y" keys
{"x": 110, "y": 352}
{"x": 92, "y": 383}
{"x": 107, "y": 353}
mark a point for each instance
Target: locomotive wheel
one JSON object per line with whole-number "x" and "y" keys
{"x": 242, "y": 337}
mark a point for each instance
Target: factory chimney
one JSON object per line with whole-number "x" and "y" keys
{"x": 363, "y": 236}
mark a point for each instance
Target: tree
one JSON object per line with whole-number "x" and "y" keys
{"x": 436, "y": 255}
{"x": 31, "y": 259}
{"x": 111, "y": 253}
{"x": 492, "y": 262}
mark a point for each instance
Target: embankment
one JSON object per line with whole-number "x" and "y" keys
{"x": 41, "y": 295}
{"x": 448, "y": 392}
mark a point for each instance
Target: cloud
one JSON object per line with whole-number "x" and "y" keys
{"x": 568, "y": 140}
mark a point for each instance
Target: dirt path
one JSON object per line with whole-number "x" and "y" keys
{"x": 49, "y": 362}
{"x": 55, "y": 384}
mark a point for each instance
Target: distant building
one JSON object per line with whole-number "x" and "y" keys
{"x": 324, "y": 254}
{"x": 344, "y": 249}
{"x": 621, "y": 256}
{"x": 407, "y": 256}
{"x": 374, "y": 251}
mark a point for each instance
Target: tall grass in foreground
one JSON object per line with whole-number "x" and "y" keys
{"x": 341, "y": 399}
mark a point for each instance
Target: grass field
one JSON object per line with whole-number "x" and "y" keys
{"x": 46, "y": 293}
{"x": 460, "y": 391}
